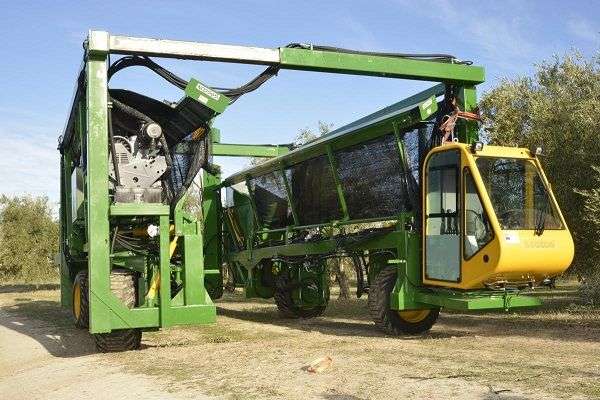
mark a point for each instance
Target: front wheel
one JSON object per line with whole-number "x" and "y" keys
{"x": 123, "y": 286}
{"x": 394, "y": 322}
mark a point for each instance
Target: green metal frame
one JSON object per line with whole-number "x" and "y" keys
{"x": 408, "y": 292}
{"x": 87, "y": 127}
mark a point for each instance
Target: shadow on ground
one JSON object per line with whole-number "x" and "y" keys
{"x": 49, "y": 324}
{"x": 23, "y": 288}
{"x": 329, "y": 324}
{"x": 52, "y": 326}
{"x": 560, "y": 318}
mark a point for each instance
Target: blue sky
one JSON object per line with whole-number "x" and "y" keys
{"x": 41, "y": 53}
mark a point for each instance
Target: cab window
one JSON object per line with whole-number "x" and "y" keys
{"x": 478, "y": 231}
{"x": 442, "y": 217}
{"x": 520, "y": 199}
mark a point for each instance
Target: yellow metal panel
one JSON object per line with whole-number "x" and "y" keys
{"x": 513, "y": 256}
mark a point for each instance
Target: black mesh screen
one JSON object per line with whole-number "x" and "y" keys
{"x": 412, "y": 145}
{"x": 372, "y": 178}
{"x": 271, "y": 200}
{"x": 371, "y": 174}
{"x": 313, "y": 191}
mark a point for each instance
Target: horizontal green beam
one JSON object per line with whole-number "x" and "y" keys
{"x": 389, "y": 67}
{"x": 403, "y": 118}
{"x": 304, "y": 59}
{"x": 249, "y": 150}
{"x": 476, "y": 301}
{"x": 246, "y": 257}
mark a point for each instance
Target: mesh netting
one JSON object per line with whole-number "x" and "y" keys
{"x": 372, "y": 178}
{"x": 188, "y": 156}
{"x": 313, "y": 191}
{"x": 270, "y": 199}
{"x": 376, "y": 182}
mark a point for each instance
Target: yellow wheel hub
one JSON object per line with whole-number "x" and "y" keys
{"x": 77, "y": 300}
{"x": 414, "y": 316}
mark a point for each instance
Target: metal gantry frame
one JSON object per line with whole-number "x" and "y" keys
{"x": 202, "y": 259}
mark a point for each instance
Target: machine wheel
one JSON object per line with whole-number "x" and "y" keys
{"x": 119, "y": 340}
{"x": 285, "y": 303}
{"x": 80, "y": 300}
{"x": 122, "y": 285}
{"x": 395, "y": 322}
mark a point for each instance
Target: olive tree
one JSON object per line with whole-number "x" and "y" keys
{"x": 28, "y": 239}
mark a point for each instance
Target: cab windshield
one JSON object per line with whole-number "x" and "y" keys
{"x": 518, "y": 194}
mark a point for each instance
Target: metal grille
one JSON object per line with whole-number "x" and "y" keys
{"x": 270, "y": 199}
{"x": 372, "y": 178}
{"x": 314, "y": 192}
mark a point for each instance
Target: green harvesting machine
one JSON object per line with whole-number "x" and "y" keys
{"x": 150, "y": 232}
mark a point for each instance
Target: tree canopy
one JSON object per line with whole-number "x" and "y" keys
{"x": 28, "y": 239}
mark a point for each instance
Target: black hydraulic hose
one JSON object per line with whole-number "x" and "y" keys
{"x": 111, "y": 138}
{"x": 132, "y": 61}
{"x": 132, "y": 111}
{"x": 250, "y": 86}
{"x": 271, "y": 71}
{"x": 426, "y": 56}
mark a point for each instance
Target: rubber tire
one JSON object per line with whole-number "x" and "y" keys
{"x": 389, "y": 320}
{"x": 285, "y": 303}
{"x": 123, "y": 286}
{"x": 81, "y": 279}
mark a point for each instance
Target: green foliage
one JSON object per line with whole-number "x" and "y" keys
{"x": 28, "y": 239}
{"x": 557, "y": 108}
{"x": 590, "y": 289}
{"x": 306, "y": 134}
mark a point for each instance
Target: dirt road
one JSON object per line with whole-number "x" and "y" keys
{"x": 251, "y": 353}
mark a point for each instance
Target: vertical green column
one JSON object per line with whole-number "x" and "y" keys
{"x": 338, "y": 184}
{"x": 409, "y": 270}
{"x": 211, "y": 237}
{"x": 193, "y": 273}
{"x": 288, "y": 191}
{"x": 97, "y": 192}
{"x": 165, "y": 271}
{"x": 468, "y": 131}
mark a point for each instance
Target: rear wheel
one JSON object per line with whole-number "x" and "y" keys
{"x": 394, "y": 322}
{"x": 123, "y": 286}
{"x": 80, "y": 300}
{"x": 285, "y": 301}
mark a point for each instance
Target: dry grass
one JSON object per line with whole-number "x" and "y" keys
{"x": 552, "y": 352}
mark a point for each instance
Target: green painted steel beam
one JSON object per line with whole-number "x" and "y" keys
{"x": 249, "y": 150}
{"x": 97, "y": 192}
{"x": 393, "y": 109}
{"x": 404, "y": 116}
{"x": 338, "y": 185}
{"x": 252, "y": 256}
{"x": 303, "y": 59}
{"x": 476, "y": 300}
{"x": 288, "y": 192}
{"x": 372, "y": 65}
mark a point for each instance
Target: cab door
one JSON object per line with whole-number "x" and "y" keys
{"x": 442, "y": 216}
